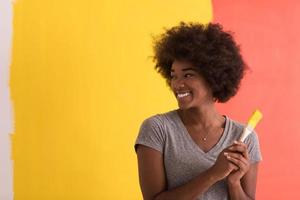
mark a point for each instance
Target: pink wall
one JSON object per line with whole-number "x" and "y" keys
{"x": 268, "y": 32}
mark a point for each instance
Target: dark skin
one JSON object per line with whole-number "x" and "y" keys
{"x": 198, "y": 113}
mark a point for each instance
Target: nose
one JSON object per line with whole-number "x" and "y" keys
{"x": 178, "y": 84}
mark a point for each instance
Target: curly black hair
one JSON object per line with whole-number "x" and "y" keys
{"x": 209, "y": 48}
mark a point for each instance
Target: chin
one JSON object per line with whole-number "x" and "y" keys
{"x": 185, "y": 106}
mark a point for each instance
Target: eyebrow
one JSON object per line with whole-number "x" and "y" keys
{"x": 186, "y": 69}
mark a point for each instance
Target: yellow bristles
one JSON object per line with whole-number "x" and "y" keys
{"x": 255, "y": 118}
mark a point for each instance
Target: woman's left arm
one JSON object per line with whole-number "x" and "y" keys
{"x": 241, "y": 183}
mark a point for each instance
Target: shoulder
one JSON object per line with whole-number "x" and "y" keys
{"x": 154, "y": 131}
{"x": 252, "y": 140}
{"x": 161, "y": 120}
{"x": 235, "y": 128}
{"x": 236, "y": 125}
{"x": 158, "y": 125}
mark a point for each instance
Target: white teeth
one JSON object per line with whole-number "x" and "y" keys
{"x": 183, "y": 95}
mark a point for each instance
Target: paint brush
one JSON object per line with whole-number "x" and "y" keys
{"x": 254, "y": 119}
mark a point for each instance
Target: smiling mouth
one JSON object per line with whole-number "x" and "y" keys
{"x": 182, "y": 94}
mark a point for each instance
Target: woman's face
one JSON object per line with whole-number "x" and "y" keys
{"x": 189, "y": 88}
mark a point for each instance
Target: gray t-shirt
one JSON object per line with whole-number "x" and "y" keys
{"x": 183, "y": 158}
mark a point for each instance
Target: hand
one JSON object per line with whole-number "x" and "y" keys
{"x": 238, "y": 155}
{"x": 223, "y": 167}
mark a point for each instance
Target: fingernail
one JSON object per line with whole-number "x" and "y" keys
{"x": 236, "y": 142}
{"x": 225, "y": 154}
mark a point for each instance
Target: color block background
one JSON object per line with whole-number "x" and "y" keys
{"x": 82, "y": 81}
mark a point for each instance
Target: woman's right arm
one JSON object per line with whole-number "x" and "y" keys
{"x": 153, "y": 179}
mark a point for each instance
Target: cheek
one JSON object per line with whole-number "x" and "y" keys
{"x": 202, "y": 91}
{"x": 171, "y": 85}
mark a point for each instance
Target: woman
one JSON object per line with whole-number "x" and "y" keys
{"x": 193, "y": 152}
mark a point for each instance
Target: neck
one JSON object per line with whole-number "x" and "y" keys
{"x": 204, "y": 117}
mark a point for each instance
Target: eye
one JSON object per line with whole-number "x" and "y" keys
{"x": 188, "y": 75}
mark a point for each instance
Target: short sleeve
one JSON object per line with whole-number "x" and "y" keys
{"x": 253, "y": 148}
{"x": 151, "y": 134}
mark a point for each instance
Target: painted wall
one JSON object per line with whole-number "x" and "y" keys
{"x": 82, "y": 80}
{"x": 269, "y": 36}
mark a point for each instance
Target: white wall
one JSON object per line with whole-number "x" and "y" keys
{"x": 6, "y": 177}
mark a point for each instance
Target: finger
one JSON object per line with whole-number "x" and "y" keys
{"x": 243, "y": 168}
{"x": 236, "y": 156}
{"x": 236, "y": 162}
{"x": 239, "y": 147}
{"x": 237, "y": 159}
{"x": 239, "y": 150}
{"x": 233, "y": 167}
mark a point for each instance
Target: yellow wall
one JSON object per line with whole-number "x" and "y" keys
{"x": 81, "y": 83}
